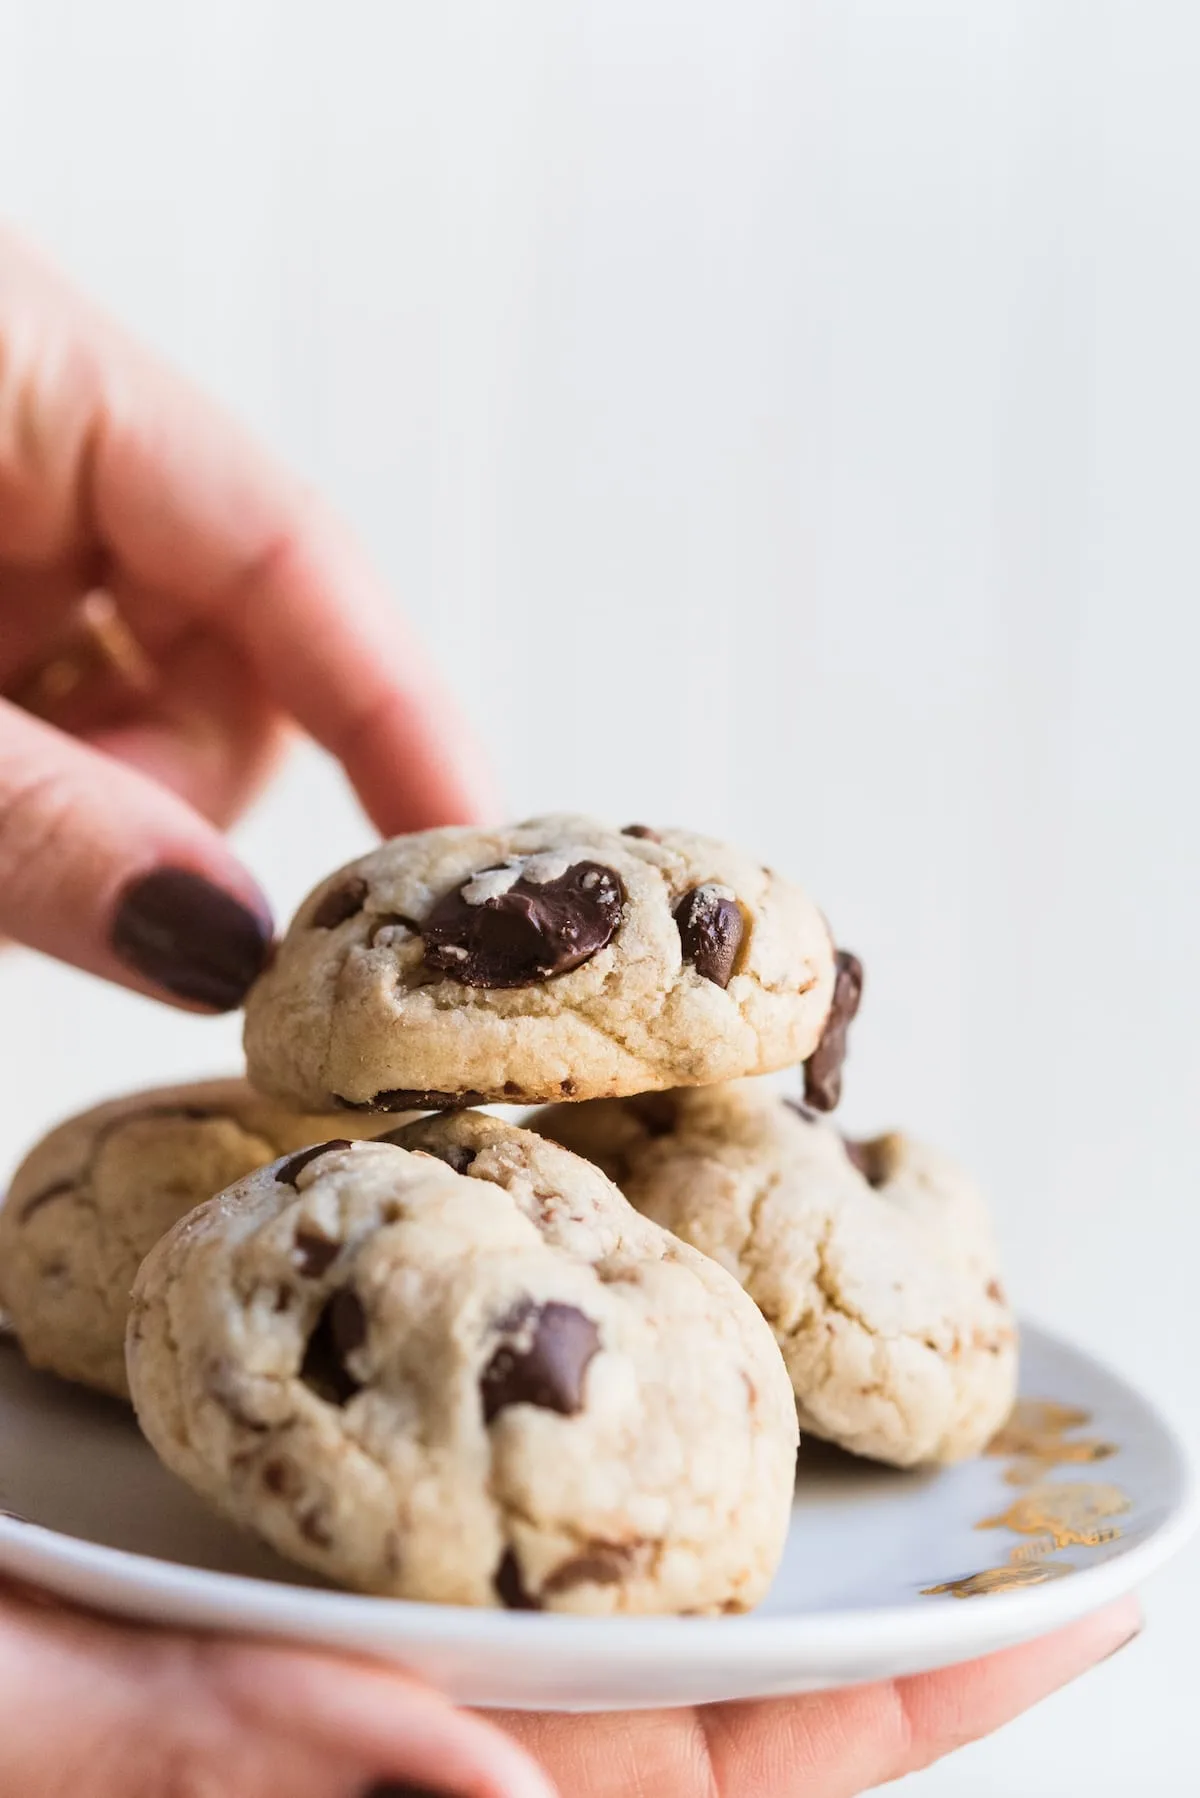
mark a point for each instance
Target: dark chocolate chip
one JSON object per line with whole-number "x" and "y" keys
{"x": 535, "y": 930}
{"x": 340, "y": 1329}
{"x": 314, "y": 1254}
{"x": 546, "y": 1366}
{"x": 601, "y": 1564}
{"x": 47, "y": 1194}
{"x": 423, "y": 1137}
{"x": 286, "y": 1175}
{"x": 454, "y": 1154}
{"x": 510, "y": 1587}
{"x": 341, "y": 902}
{"x": 823, "y": 1069}
{"x": 641, "y": 830}
{"x": 409, "y": 1098}
{"x": 711, "y": 929}
{"x": 282, "y": 1477}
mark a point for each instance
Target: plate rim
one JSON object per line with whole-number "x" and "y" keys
{"x": 127, "y": 1583}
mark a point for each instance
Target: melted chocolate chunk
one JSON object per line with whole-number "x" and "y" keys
{"x": 546, "y": 1367}
{"x": 454, "y": 1154}
{"x": 711, "y": 929}
{"x": 340, "y": 1329}
{"x": 286, "y": 1175}
{"x": 823, "y": 1069}
{"x": 530, "y": 932}
{"x": 340, "y": 902}
{"x": 411, "y": 1098}
{"x": 419, "y": 1136}
{"x": 510, "y": 1587}
{"x": 48, "y": 1193}
{"x": 641, "y": 830}
{"x": 601, "y": 1564}
{"x": 314, "y": 1254}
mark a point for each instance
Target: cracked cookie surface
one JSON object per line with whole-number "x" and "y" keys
{"x": 556, "y": 958}
{"x": 873, "y": 1262}
{"x": 94, "y": 1196}
{"x": 467, "y": 1371}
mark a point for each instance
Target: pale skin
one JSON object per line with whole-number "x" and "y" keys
{"x": 257, "y": 616}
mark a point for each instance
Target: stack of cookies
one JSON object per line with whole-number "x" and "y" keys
{"x": 562, "y": 1367}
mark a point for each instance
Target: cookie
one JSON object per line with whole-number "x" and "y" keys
{"x": 96, "y": 1194}
{"x": 554, "y": 959}
{"x": 468, "y": 1372}
{"x": 873, "y": 1262}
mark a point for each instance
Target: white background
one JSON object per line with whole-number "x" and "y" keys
{"x": 780, "y": 418}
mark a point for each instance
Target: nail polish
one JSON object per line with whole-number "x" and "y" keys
{"x": 390, "y": 1790}
{"x": 182, "y": 932}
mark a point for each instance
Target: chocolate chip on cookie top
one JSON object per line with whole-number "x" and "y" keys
{"x": 340, "y": 1329}
{"x": 531, "y": 918}
{"x": 341, "y": 902}
{"x": 823, "y": 1069}
{"x": 542, "y": 1362}
{"x": 286, "y": 1174}
{"x": 711, "y": 930}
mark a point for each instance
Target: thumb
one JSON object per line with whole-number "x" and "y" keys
{"x": 102, "y": 867}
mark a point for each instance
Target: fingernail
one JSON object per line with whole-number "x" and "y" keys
{"x": 1131, "y": 1637}
{"x": 183, "y": 933}
{"x": 395, "y": 1791}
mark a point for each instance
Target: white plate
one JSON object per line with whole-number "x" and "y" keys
{"x": 98, "y": 1520}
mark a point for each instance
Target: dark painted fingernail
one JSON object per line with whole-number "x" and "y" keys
{"x": 183, "y": 933}
{"x": 395, "y": 1791}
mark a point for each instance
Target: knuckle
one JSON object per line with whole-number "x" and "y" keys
{"x": 37, "y": 812}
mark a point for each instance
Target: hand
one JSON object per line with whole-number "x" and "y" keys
{"x": 234, "y": 606}
{"x": 102, "y": 1711}
{"x": 829, "y": 1745}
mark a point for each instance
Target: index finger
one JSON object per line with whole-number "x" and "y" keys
{"x": 197, "y": 528}
{"x": 193, "y": 513}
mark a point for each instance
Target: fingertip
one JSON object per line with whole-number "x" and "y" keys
{"x": 191, "y": 936}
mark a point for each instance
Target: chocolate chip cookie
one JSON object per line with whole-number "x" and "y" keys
{"x": 554, "y": 959}
{"x": 96, "y": 1194}
{"x": 466, "y": 1371}
{"x": 872, "y": 1261}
